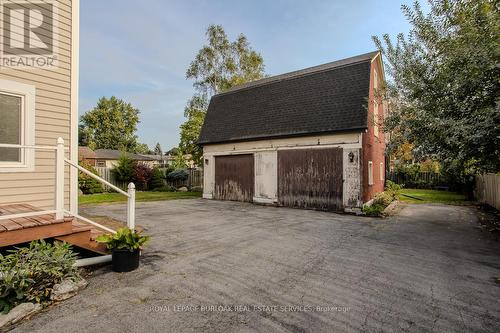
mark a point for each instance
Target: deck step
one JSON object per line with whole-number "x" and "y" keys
{"x": 25, "y": 229}
{"x": 81, "y": 237}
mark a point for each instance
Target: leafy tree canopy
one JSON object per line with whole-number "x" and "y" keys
{"x": 223, "y": 64}
{"x": 125, "y": 169}
{"x": 190, "y": 130}
{"x": 112, "y": 124}
{"x": 444, "y": 83}
{"x": 142, "y": 148}
{"x": 218, "y": 66}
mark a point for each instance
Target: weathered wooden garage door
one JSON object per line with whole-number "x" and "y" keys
{"x": 310, "y": 178}
{"x": 234, "y": 177}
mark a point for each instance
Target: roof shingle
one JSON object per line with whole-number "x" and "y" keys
{"x": 322, "y": 99}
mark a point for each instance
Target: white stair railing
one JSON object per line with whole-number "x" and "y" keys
{"x": 59, "y": 199}
{"x": 59, "y": 211}
{"x": 130, "y": 194}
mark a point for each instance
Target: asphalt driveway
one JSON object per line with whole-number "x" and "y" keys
{"x": 234, "y": 267}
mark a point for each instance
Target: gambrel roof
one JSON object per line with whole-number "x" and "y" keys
{"x": 323, "y": 99}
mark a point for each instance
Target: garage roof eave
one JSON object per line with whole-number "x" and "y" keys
{"x": 282, "y": 136}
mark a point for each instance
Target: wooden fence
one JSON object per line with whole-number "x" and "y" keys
{"x": 107, "y": 175}
{"x": 418, "y": 180}
{"x": 194, "y": 180}
{"x": 488, "y": 189}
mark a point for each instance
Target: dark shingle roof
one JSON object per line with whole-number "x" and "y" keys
{"x": 322, "y": 99}
{"x": 85, "y": 152}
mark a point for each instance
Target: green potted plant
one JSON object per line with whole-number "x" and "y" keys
{"x": 125, "y": 246}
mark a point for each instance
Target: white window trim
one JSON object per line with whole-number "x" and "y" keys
{"x": 382, "y": 171}
{"x": 375, "y": 119}
{"x": 370, "y": 173}
{"x": 27, "y": 94}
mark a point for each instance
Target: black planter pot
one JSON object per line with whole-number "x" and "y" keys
{"x": 125, "y": 260}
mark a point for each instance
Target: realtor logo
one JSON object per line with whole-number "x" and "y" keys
{"x": 28, "y": 31}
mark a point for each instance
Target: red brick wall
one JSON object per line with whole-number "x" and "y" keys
{"x": 373, "y": 148}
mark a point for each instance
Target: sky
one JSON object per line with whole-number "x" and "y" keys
{"x": 139, "y": 50}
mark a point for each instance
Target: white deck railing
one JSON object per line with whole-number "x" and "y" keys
{"x": 59, "y": 210}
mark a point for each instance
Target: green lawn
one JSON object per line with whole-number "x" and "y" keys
{"x": 139, "y": 196}
{"x": 427, "y": 196}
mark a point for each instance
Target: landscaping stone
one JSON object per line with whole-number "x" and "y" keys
{"x": 66, "y": 289}
{"x": 182, "y": 189}
{"x": 19, "y": 312}
{"x": 392, "y": 209}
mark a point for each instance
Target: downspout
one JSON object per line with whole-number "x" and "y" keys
{"x": 93, "y": 261}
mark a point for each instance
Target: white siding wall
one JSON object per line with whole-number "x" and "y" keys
{"x": 266, "y": 176}
{"x": 52, "y": 120}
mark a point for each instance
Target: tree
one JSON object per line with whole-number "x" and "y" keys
{"x": 444, "y": 84}
{"x": 190, "y": 129}
{"x": 157, "y": 179}
{"x": 142, "y": 148}
{"x": 179, "y": 161}
{"x": 83, "y": 139}
{"x": 158, "y": 150}
{"x": 112, "y": 124}
{"x": 218, "y": 66}
{"x": 222, "y": 64}
{"x": 125, "y": 169}
{"x": 142, "y": 176}
{"x": 87, "y": 184}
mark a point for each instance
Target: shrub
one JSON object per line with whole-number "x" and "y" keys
{"x": 157, "y": 179}
{"x": 142, "y": 175}
{"x": 87, "y": 184}
{"x": 169, "y": 169}
{"x": 179, "y": 174}
{"x": 165, "y": 188}
{"x": 393, "y": 190}
{"x": 124, "y": 170}
{"x": 383, "y": 199}
{"x": 28, "y": 274}
{"x": 374, "y": 210}
{"x": 419, "y": 175}
{"x": 460, "y": 176}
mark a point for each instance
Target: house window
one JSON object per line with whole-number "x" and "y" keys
{"x": 17, "y": 114}
{"x": 382, "y": 171}
{"x": 370, "y": 173}
{"x": 375, "y": 118}
{"x": 101, "y": 163}
{"x": 375, "y": 80}
{"x": 11, "y": 126}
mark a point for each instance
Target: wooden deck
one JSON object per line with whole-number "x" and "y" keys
{"x": 26, "y": 229}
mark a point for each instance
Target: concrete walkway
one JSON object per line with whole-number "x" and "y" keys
{"x": 233, "y": 267}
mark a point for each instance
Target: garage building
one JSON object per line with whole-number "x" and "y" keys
{"x": 310, "y": 138}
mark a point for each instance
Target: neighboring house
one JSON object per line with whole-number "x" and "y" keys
{"x": 86, "y": 155}
{"x": 188, "y": 158}
{"x": 172, "y": 152}
{"x": 161, "y": 161}
{"x": 109, "y": 158}
{"x": 310, "y": 138}
{"x": 39, "y": 127}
